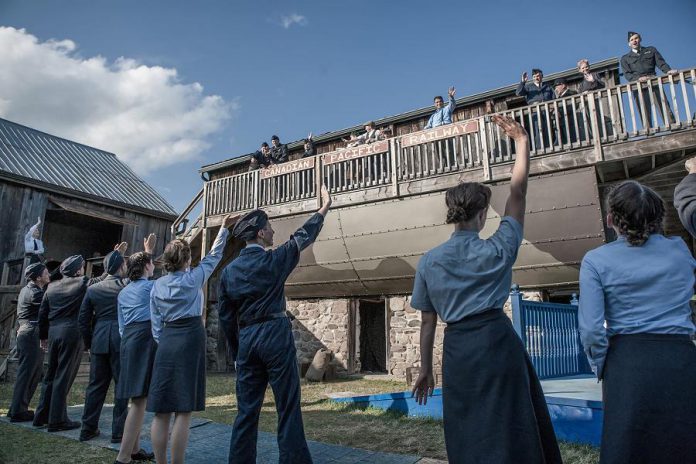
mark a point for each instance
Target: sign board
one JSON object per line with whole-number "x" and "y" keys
{"x": 288, "y": 167}
{"x": 356, "y": 152}
{"x": 439, "y": 133}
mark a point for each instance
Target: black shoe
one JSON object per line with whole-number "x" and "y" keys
{"x": 68, "y": 425}
{"x": 115, "y": 439}
{"x": 25, "y": 416}
{"x": 143, "y": 455}
{"x": 86, "y": 435}
{"x": 38, "y": 423}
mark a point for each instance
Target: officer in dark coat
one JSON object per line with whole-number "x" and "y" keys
{"x": 639, "y": 65}
{"x": 58, "y": 323}
{"x": 28, "y": 347}
{"x": 252, "y": 299}
{"x": 98, "y": 320}
{"x": 566, "y": 122}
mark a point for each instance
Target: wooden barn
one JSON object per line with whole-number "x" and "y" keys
{"x": 87, "y": 200}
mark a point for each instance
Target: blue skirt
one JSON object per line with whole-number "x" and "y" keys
{"x": 138, "y": 350}
{"x": 493, "y": 406}
{"x": 649, "y": 394}
{"x": 178, "y": 374}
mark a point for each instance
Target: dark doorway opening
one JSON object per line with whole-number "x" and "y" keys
{"x": 67, "y": 233}
{"x": 373, "y": 336}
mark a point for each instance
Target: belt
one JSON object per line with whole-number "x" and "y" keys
{"x": 259, "y": 320}
{"x": 26, "y": 322}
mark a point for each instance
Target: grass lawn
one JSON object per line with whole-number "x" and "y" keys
{"x": 324, "y": 421}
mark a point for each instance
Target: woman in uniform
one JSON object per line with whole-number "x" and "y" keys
{"x": 137, "y": 351}
{"x": 178, "y": 375}
{"x": 636, "y": 327}
{"x": 493, "y": 406}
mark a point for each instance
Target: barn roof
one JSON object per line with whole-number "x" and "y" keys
{"x": 36, "y": 158}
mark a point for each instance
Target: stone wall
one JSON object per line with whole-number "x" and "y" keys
{"x": 321, "y": 324}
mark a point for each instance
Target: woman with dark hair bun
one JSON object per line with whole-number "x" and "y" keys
{"x": 137, "y": 350}
{"x": 493, "y": 406}
{"x": 178, "y": 373}
{"x": 635, "y": 324}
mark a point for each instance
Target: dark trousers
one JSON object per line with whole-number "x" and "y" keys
{"x": 29, "y": 368}
{"x": 64, "y": 351}
{"x": 540, "y": 131}
{"x": 645, "y": 110}
{"x": 103, "y": 368}
{"x": 267, "y": 355}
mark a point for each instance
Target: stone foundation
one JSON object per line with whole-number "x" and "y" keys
{"x": 321, "y": 324}
{"x": 325, "y": 323}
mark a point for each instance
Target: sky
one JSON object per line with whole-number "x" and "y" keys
{"x": 169, "y": 86}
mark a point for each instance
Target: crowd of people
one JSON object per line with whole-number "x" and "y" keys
{"x": 148, "y": 335}
{"x": 638, "y": 65}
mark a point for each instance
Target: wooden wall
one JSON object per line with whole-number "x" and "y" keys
{"x": 21, "y": 205}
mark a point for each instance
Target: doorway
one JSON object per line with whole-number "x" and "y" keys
{"x": 373, "y": 335}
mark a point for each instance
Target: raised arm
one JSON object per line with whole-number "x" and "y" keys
{"x": 208, "y": 264}
{"x": 517, "y": 200}
{"x": 522, "y": 86}
{"x": 452, "y": 102}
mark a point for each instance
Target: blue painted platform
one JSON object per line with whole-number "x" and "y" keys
{"x": 574, "y": 404}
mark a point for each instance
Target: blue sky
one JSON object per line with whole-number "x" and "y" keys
{"x": 290, "y": 67}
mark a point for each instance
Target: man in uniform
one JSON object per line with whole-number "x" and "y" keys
{"x": 639, "y": 65}
{"x": 58, "y": 323}
{"x": 252, "y": 301}
{"x": 537, "y": 91}
{"x": 279, "y": 151}
{"x": 565, "y": 111}
{"x": 28, "y": 347}
{"x": 98, "y": 320}
{"x": 33, "y": 246}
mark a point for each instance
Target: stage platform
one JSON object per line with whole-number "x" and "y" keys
{"x": 575, "y": 406}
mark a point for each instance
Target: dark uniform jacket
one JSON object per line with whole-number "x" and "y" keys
{"x": 279, "y": 154}
{"x": 534, "y": 94}
{"x": 253, "y": 285}
{"x": 685, "y": 202}
{"x": 28, "y": 302}
{"x": 62, "y": 301}
{"x": 643, "y": 63}
{"x": 98, "y": 318}
{"x": 263, "y": 160}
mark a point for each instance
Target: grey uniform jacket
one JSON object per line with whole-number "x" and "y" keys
{"x": 62, "y": 301}
{"x": 28, "y": 302}
{"x": 643, "y": 63}
{"x": 98, "y": 318}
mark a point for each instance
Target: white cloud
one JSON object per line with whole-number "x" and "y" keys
{"x": 287, "y": 21}
{"x": 144, "y": 114}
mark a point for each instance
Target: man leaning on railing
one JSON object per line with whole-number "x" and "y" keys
{"x": 639, "y": 65}
{"x": 536, "y": 92}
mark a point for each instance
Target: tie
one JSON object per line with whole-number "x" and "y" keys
{"x": 36, "y": 245}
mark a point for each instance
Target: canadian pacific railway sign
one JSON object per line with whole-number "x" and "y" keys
{"x": 288, "y": 167}
{"x": 356, "y": 152}
{"x": 438, "y": 133}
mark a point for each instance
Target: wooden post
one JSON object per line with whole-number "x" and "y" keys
{"x": 394, "y": 149}
{"x": 599, "y": 153}
{"x": 318, "y": 179}
{"x": 204, "y": 248}
{"x": 485, "y": 161}
{"x": 517, "y": 316}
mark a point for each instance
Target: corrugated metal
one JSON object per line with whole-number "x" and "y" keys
{"x": 35, "y": 155}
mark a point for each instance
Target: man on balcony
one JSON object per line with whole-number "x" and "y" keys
{"x": 537, "y": 92}
{"x": 639, "y": 65}
{"x": 279, "y": 151}
{"x": 33, "y": 246}
{"x": 441, "y": 117}
{"x": 262, "y": 158}
{"x": 443, "y": 113}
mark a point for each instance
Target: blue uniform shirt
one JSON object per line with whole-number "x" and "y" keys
{"x": 134, "y": 303}
{"x": 635, "y": 289}
{"x": 442, "y": 116}
{"x": 534, "y": 94}
{"x": 178, "y": 295}
{"x": 466, "y": 274}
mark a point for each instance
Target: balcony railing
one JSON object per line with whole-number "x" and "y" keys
{"x": 587, "y": 121}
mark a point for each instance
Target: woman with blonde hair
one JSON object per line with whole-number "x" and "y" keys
{"x": 178, "y": 374}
